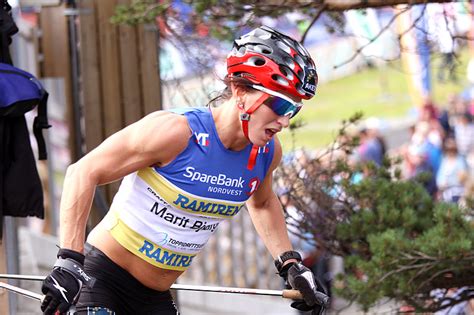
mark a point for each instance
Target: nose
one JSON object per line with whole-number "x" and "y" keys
{"x": 284, "y": 120}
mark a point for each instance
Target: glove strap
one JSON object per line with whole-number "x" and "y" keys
{"x": 75, "y": 269}
{"x": 282, "y": 258}
{"x": 69, "y": 253}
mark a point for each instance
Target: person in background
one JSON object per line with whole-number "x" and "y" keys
{"x": 371, "y": 148}
{"x": 430, "y": 116}
{"x": 432, "y": 150}
{"x": 464, "y": 133}
{"x": 452, "y": 173}
{"x": 415, "y": 163}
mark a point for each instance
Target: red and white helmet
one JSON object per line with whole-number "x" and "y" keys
{"x": 275, "y": 61}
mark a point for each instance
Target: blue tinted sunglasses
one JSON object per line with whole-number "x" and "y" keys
{"x": 281, "y": 104}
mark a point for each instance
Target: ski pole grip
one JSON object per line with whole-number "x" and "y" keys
{"x": 292, "y": 294}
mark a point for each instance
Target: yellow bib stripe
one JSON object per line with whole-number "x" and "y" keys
{"x": 147, "y": 250}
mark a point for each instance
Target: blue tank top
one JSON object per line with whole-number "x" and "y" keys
{"x": 165, "y": 215}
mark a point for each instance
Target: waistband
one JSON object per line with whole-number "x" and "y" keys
{"x": 98, "y": 265}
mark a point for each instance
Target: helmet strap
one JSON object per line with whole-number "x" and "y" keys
{"x": 245, "y": 118}
{"x": 245, "y": 115}
{"x": 252, "y": 158}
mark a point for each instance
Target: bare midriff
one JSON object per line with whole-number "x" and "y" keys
{"x": 151, "y": 276}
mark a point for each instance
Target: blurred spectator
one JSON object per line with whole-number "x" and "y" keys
{"x": 372, "y": 145}
{"x": 462, "y": 308}
{"x": 464, "y": 133}
{"x": 416, "y": 163}
{"x": 374, "y": 127}
{"x": 452, "y": 173}
{"x": 446, "y": 112}
{"x": 429, "y": 114}
{"x": 429, "y": 145}
{"x": 456, "y": 108}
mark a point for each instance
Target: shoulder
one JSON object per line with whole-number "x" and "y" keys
{"x": 170, "y": 125}
{"x": 164, "y": 132}
{"x": 166, "y": 117}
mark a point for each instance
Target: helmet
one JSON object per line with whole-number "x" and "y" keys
{"x": 275, "y": 61}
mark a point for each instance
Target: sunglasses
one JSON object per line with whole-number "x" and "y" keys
{"x": 280, "y": 104}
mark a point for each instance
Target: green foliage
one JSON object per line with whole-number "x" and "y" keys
{"x": 215, "y": 15}
{"x": 400, "y": 238}
{"x": 401, "y": 261}
{"x": 139, "y": 12}
{"x": 396, "y": 241}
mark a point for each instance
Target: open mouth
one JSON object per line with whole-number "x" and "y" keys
{"x": 271, "y": 132}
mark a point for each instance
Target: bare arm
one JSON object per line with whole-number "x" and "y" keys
{"x": 267, "y": 213}
{"x": 156, "y": 139}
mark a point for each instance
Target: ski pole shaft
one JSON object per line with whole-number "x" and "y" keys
{"x": 23, "y": 292}
{"x": 287, "y": 294}
{"x": 30, "y": 294}
{"x": 21, "y": 277}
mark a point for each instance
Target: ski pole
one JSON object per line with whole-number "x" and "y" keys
{"x": 287, "y": 294}
{"x": 31, "y": 295}
{"x": 23, "y": 292}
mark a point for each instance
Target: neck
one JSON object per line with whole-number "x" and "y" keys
{"x": 228, "y": 126}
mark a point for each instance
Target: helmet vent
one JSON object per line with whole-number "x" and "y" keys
{"x": 256, "y": 61}
{"x": 299, "y": 60}
{"x": 286, "y": 72}
{"x": 289, "y": 62}
{"x": 300, "y": 74}
{"x": 300, "y": 50}
{"x": 262, "y": 34}
{"x": 281, "y": 80}
{"x": 241, "y": 51}
{"x": 299, "y": 89}
{"x": 263, "y": 49}
{"x": 283, "y": 47}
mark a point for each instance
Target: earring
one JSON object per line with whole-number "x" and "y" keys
{"x": 240, "y": 104}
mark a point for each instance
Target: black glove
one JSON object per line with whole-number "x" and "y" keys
{"x": 314, "y": 297}
{"x": 63, "y": 285}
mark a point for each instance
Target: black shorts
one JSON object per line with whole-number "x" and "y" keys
{"x": 117, "y": 292}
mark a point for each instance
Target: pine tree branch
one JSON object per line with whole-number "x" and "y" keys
{"x": 358, "y": 51}
{"x": 320, "y": 11}
{"x": 401, "y": 269}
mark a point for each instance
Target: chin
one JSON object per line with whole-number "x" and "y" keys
{"x": 260, "y": 142}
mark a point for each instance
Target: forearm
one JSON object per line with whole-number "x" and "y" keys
{"x": 76, "y": 201}
{"x": 269, "y": 221}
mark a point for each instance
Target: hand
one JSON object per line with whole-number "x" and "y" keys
{"x": 63, "y": 285}
{"x": 60, "y": 289}
{"x": 302, "y": 279}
